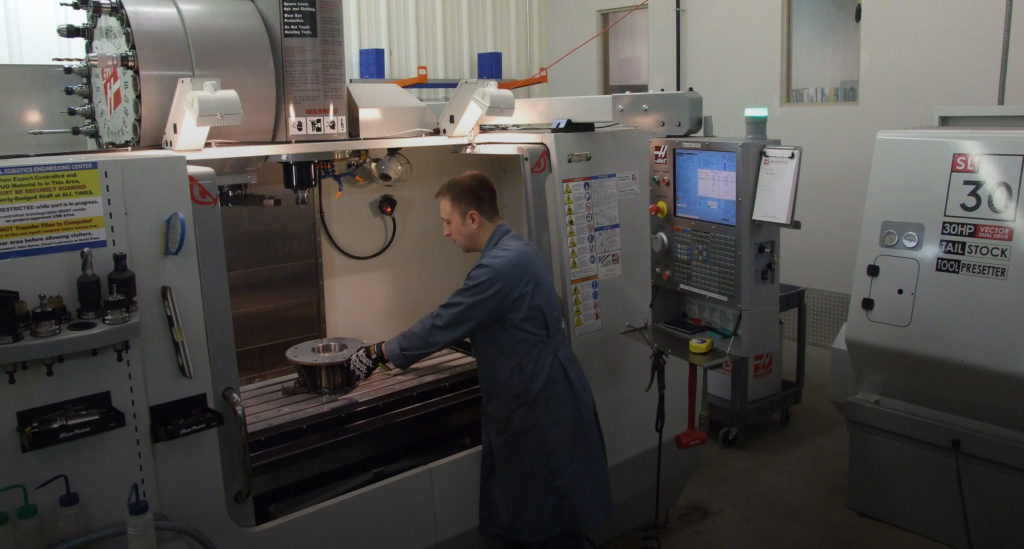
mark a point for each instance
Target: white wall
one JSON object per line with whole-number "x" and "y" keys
{"x": 627, "y": 48}
{"x": 825, "y": 43}
{"x": 915, "y": 55}
{"x": 567, "y": 23}
{"x": 28, "y": 32}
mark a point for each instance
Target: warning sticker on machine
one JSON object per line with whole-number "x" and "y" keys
{"x": 585, "y": 306}
{"x": 594, "y": 237}
{"x": 50, "y": 208}
{"x": 628, "y": 184}
{"x": 298, "y": 18}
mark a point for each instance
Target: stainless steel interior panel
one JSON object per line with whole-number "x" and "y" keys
{"x": 273, "y": 259}
{"x": 267, "y": 360}
{"x": 276, "y": 322}
{"x": 282, "y": 283}
{"x": 260, "y": 236}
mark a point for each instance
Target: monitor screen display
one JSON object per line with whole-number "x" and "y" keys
{"x": 705, "y": 185}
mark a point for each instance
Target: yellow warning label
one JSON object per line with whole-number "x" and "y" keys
{"x": 568, "y": 199}
{"x": 572, "y": 232}
{"x": 579, "y": 321}
{"x": 569, "y": 211}
{"x": 573, "y": 254}
{"x": 572, "y": 242}
{"x": 576, "y": 301}
{"x": 578, "y": 311}
{"x": 45, "y": 187}
{"x": 567, "y": 189}
{"x": 574, "y": 265}
{"x": 51, "y": 227}
{"x": 575, "y": 290}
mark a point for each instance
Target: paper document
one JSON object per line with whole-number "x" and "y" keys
{"x": 776, "y": 185}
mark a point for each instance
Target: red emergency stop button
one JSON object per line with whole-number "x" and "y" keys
{"x": 665, "y": 275}
{"x": 660, "y": 209}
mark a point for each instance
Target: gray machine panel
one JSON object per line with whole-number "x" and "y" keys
{"x": 968, "y": 255}
{"x": 937, "y": 426}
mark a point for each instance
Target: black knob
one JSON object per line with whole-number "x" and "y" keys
{"x": 387, "y": 204}
{"x": 122, "y": 280}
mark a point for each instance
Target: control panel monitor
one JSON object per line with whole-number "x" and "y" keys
{"x": 705, "y": 185}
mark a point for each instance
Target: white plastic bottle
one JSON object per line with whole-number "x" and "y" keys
{"x": 6, "y": 532}
{"x": 28, "y": 528}
{"x": 140, "y": 524}
{"x": 71, "y": 521}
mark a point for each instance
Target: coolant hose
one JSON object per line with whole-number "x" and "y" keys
{"x": 117, "y": 531}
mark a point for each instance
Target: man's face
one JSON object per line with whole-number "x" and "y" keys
{"x": 457, "y": 227}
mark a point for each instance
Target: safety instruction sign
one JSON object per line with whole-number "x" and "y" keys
{"x": 585, "y": 305}
{"x": 628, "y": 184}
{"x": 51, "y": 208}
{"x": 981, "y": 207}
{"x": 594, "y": 240}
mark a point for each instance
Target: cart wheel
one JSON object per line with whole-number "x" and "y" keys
{"x": 728, "y": 436}
{"x": 785, "y": 416}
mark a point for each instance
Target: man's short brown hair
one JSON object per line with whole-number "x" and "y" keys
{"x": 472, "y": 190}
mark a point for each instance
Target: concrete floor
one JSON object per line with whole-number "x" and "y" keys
{"x": 779, "y": 486}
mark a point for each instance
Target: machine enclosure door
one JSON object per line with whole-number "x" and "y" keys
{"x": 893, "y": 290}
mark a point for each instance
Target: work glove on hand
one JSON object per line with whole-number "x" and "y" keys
{"x": 366, "y": 359}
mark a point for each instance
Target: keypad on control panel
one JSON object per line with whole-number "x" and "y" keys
{"x": 706, "y": 261}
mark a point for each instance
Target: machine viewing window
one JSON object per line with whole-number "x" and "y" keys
{"x": 705, "y": 185}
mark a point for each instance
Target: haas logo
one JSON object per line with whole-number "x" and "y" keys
{"x": 762, "y": 365}
{"x": 111, "y": 89}
{"x": 661, "y": 154}
{"x": 200, "y": 195}
{"x": 541, "y": 165}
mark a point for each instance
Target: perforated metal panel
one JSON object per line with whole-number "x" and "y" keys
{"x": 826, "y": 313}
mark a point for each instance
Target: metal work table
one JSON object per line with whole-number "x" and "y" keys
{"x": 307, "y": 447}
{"x": 270, "y": 406}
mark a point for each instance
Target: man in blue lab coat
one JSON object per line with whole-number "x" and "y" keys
{"x": 544, "y": 477}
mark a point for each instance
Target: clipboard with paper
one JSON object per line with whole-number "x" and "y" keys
{"x": 777, "y": 179}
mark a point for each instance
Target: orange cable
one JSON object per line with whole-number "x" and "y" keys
{"x": 636, "y": 7}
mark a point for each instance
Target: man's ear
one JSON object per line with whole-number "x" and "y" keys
{"x": 473, "y": 218}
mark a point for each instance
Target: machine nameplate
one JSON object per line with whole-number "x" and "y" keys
{"x": 985, "y": 187}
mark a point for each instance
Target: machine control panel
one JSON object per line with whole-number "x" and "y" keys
{"x": 703, "y": 240}
{"x": 713, "y": 266}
